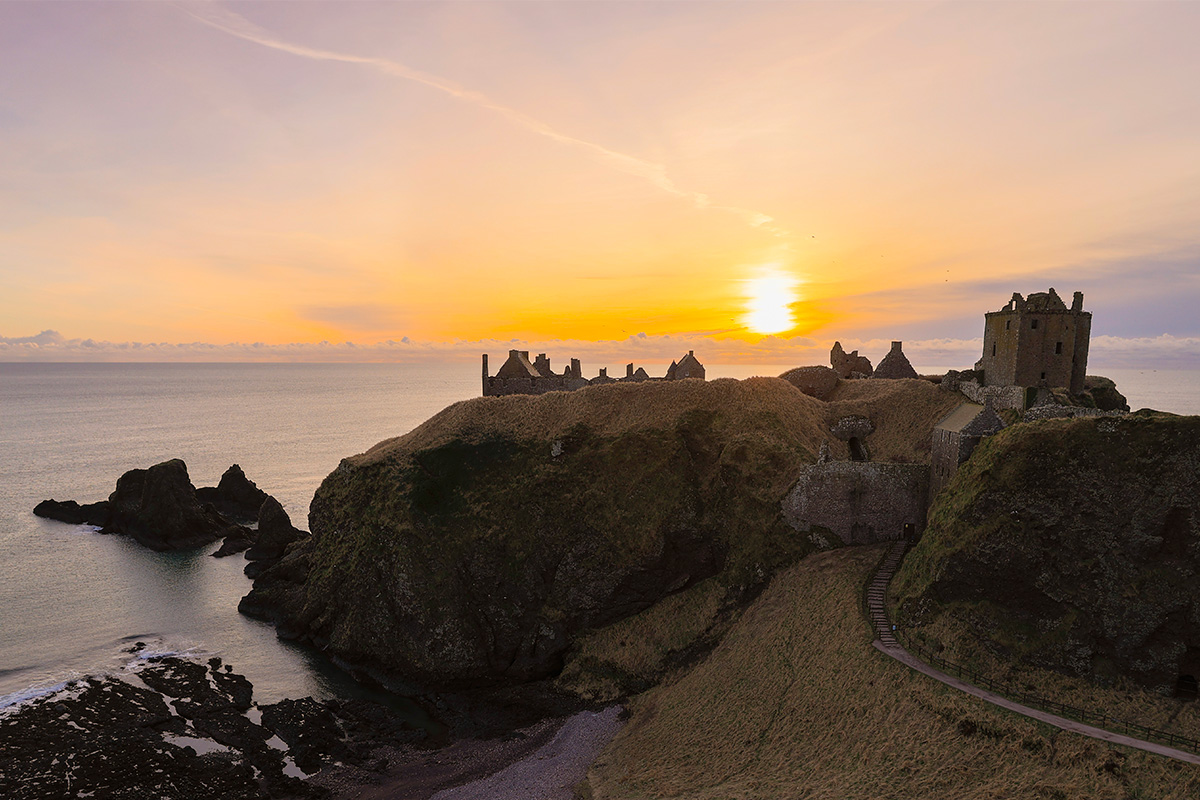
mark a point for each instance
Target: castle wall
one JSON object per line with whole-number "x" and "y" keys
{"x": 860, "y": 502}
{"x": 1004, "y": 396}
{"x": 1046, "y": 352}
{"x": 949, "y": 449}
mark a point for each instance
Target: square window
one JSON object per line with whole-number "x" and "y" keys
{"x": 1033, "y": 324}
{"x": 1058, "y": 348}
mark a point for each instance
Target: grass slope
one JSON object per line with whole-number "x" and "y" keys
{"x": 794, "y": 702}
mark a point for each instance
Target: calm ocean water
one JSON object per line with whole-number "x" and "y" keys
{"x": 71, "y": 601}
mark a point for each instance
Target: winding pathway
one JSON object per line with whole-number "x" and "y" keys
{"x": 886, "y": 642}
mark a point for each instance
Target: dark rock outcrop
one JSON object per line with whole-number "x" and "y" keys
{"x": 236, "y": 539}
{"x": 158, "y": 507}
{"x": 1072, "y": 545}
{"x": 1104, "y": 394}
{"x": 161, "y": 509}
{"x": 275, "y": 534}
{"x": 235, "y": 497}
{"x": 73, "y": 513}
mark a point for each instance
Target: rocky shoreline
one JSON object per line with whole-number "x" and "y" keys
{"x": 171, "y": 727}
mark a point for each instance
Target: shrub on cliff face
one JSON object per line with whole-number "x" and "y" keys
{"x": 1070, "y": 544}
{"x": 475, "y": 549}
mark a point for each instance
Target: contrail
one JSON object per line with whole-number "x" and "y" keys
{"x": 236, "y": 25}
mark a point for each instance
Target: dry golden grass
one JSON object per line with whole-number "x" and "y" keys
{"x": 795, "y": 702}
{"x": 1123, "y": 700}
{"x": 904, "y": 413}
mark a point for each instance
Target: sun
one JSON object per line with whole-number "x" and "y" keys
{"x": 769, "y": 299}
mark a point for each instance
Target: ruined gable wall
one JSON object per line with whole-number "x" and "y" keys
{"x": 860, "y": 502}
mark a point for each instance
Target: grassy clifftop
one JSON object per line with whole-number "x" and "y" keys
{"x": 481, "y": 547}
{"x": 1072, "y": 545}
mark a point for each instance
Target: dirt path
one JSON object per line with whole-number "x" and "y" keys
{"x": 887, "y": 643}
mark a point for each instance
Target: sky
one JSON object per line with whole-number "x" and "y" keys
{"x": 409, "y": 181}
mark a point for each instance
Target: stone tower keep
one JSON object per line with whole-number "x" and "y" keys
{"x": 1037, "y": 341}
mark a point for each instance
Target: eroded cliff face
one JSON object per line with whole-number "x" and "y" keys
{"x": 1070, "y": 544}
{"x": 474, "y": 550}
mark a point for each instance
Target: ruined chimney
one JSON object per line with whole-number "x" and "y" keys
{"x": 629, "y": 371}
{"x": 692, "y": 353}
{"x": 485, "y": 374}
{"x": 576, "y": 368}
{"x": 896, "y": 346}
{"x": 604, "y": 372}
{"x": 1077, "y": 303}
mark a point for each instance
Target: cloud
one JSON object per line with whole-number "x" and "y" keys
{"x": 46, "y": 337}
{"x": 1159, "y": 352}
{"x": 236, "y": 25}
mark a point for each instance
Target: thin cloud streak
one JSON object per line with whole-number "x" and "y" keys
{"x": 235, "y": 24}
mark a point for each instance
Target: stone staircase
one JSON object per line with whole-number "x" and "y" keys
{"x": 876, "y": 591}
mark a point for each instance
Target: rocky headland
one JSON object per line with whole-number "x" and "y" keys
{"x": 1072, "y": 545}
{"x": 483, "y": 548}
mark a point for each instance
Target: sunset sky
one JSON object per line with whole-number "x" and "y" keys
{"x": 753, "y": 180}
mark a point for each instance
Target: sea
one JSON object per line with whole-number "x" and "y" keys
{"x": 74, "y": 602}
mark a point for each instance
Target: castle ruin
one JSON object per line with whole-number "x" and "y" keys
{"x": 1037, "y": 341}
{"x": 520, "y": 376}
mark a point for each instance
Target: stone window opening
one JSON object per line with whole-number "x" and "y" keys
{"x": 993, "y": 349}
{"x": 1186, "y": 687}
{"x": 1007, "y": 325}
{"x": 1043, "y": 376}
{"x": 1058, "y": 348}
{"x": 1033, "y": 324}
{"x": 857, "y": 453}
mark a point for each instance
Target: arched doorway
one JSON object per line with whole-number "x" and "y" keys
{"x": 857, "y": 452}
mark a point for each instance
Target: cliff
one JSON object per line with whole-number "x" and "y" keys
{"x": 475, "y": 550}
{"x": 1072, "y": 545}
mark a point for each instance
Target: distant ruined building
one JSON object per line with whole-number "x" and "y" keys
{"x": 518, "y": 376}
